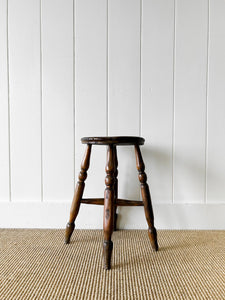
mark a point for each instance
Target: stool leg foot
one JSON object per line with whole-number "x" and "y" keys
{"x": 107, "y": 253}
{"x": 152, "y": 233}
{"x": 69, "y": 231}
{"x": 109, "y": 199}
{"x": 78, "y": 194}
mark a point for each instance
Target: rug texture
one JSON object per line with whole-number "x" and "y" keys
{"x": 36, "y": 264}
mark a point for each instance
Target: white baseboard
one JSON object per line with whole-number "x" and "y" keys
{"x": 167, "y": 216}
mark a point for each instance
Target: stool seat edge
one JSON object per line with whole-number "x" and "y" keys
{"x": 116, "y": 140}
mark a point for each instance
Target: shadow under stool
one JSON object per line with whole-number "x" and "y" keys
{"x": 110, "y": 200}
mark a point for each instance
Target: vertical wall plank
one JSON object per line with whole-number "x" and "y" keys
{"x": 4, "y": 132}
{"x": 216, "y": 104}
{"x": 57, "y": 99}
{"x": 90, "y": 95}
{"x": 124, "y": 66}
{"x": 124, "y": 85}
{"x": 157, "y": 95}
{"x": 190, "y": 101}
{"x": 24, "y": 82}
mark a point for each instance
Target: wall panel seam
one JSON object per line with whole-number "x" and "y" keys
{"x": 173, "y": 117}
{"x": 41, "y": 102}
{"x": 74, "y": 133}
{"x": 8, "y": 87}
{"x": 207, "y": 89}
{"x": 140, "y": 82}
{"x": 107, "y": 67}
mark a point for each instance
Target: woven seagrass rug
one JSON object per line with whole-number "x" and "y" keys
{"x": 36, "y": 264}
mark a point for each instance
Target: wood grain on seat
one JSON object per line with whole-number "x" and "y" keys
{"x": 117, "y": 140}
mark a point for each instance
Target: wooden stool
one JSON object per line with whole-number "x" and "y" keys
{"x": 111, "y": 200}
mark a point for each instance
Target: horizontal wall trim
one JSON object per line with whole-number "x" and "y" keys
{"x": 167, "y": 216}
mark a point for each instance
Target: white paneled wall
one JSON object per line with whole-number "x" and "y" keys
{"x": 4, "y": 107}
{"x": 24, "y": 99}
{"x": 215, "y": 165}
{"x": 74, "y": 68}
{"x": 157, "y": 95}
{"x": 190, "y": 96}
{"x": 57, "y": 99}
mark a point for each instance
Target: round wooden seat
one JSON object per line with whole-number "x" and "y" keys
{"x": 116, "y": 140}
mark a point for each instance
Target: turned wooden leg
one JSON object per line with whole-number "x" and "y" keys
{"x": 108, "y": 207}
{"x": 146, "y": 198}
{"x": 115, "y": 189}
{"x": 78, "y": 194}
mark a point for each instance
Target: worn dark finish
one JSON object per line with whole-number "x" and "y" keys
{"x": 115, "y": 188}
{"x": 116, "y": 140}
{"x": 146, "y": 198}
{"x": 110, "y": 200}
{"x": 107, "y": 254}
{"x": 119, "y": 202}
{"x": 78, "y": 194}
